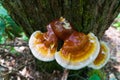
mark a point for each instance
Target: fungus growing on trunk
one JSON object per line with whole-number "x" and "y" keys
{"x": 44, "y": 45}
{"x": 102, "y": 58}
{"x": 78, "y": 51}
{"x": 62, "y": 28}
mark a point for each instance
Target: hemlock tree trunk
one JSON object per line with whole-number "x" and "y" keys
{"x": 85, "y": 15}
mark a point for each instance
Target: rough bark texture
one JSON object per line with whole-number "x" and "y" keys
{"x": 85, "y": 15}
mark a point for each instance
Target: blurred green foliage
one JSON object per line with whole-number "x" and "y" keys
{"x": 96, "y": 74}
{"x": 8, "y": 28}
{"x": 116, "y": 24}
{"x": 94, "y": 77}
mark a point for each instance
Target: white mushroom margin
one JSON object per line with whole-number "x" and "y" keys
{"x": 37, "y": 54}
{"x": 107, "y": 53}
{"x": 79, "y": 65}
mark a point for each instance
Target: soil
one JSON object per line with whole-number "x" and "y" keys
{"x": 112, "y": 68}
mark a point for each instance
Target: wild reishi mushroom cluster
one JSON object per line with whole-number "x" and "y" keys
{"x": 78, "y": 50}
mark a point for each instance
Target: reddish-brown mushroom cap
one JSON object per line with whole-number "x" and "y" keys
{"x": 78, "y": 51}
{"x": 43, "y": 45}
{"x": 102, "y": 58}
{"x": 62, "y": 28}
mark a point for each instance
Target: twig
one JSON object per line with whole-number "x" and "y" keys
{"x": 14, "y": 45}
{"x": 15, "y": 70}
{"x": 65, "y": 74}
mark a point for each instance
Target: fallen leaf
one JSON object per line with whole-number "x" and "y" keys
{"x": 25, "y": 73}
{"x": 18, "y": 78}
{"x": 117, "y": 67}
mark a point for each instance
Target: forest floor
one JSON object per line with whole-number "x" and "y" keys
{"x": 112, "y": 37}
{"x": 14, "y": 66}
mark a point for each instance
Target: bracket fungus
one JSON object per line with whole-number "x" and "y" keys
{"x": 79, "y": 50}
{"x": 62, "y": 28}
{"x": 43, "y": 45}
{"x": 102, "y": 58}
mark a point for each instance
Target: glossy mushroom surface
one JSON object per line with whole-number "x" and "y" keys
{"x": 78, "y": 51}
{"x": 62, "y": 28}
{"x": 43, "y": 45}
{"x": 102, "y": 58}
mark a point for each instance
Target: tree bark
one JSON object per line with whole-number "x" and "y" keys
{"x": 85, "y": 15}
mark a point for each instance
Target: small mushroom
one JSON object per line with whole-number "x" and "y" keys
{"x": 43, "y": 45}
{"x": 62, "y": 28}
{"x": 102, "y": 58}
{"x": 78, "y": 51}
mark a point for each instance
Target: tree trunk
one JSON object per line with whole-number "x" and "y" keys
{"x": 85, "y": 15}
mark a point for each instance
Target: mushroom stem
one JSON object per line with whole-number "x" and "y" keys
{"x": 65, "y": 74}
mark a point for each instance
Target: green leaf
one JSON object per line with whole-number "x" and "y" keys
{"x": 12, "y": 26}
{"x": 24, "y": 37}
{"x": 2, "y": 39}
{"x": 13, "y": 51}
{"x": 99, "y": 72}
{"x": 2, "y": 27}
{"x": 2, "y": 10}
{"x": 118, "y": 15}
{"x": 117, "y": 24}
{"x": 94, "y": 77}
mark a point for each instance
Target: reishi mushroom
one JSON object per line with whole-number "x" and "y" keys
{"x": 79, "y": 50}
{"x": 102, "y": 58}
{"x": 62, "y": 28}
{"x": 44, "y": 45}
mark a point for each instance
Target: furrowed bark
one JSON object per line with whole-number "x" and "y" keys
{"x": 85, "y": 15}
